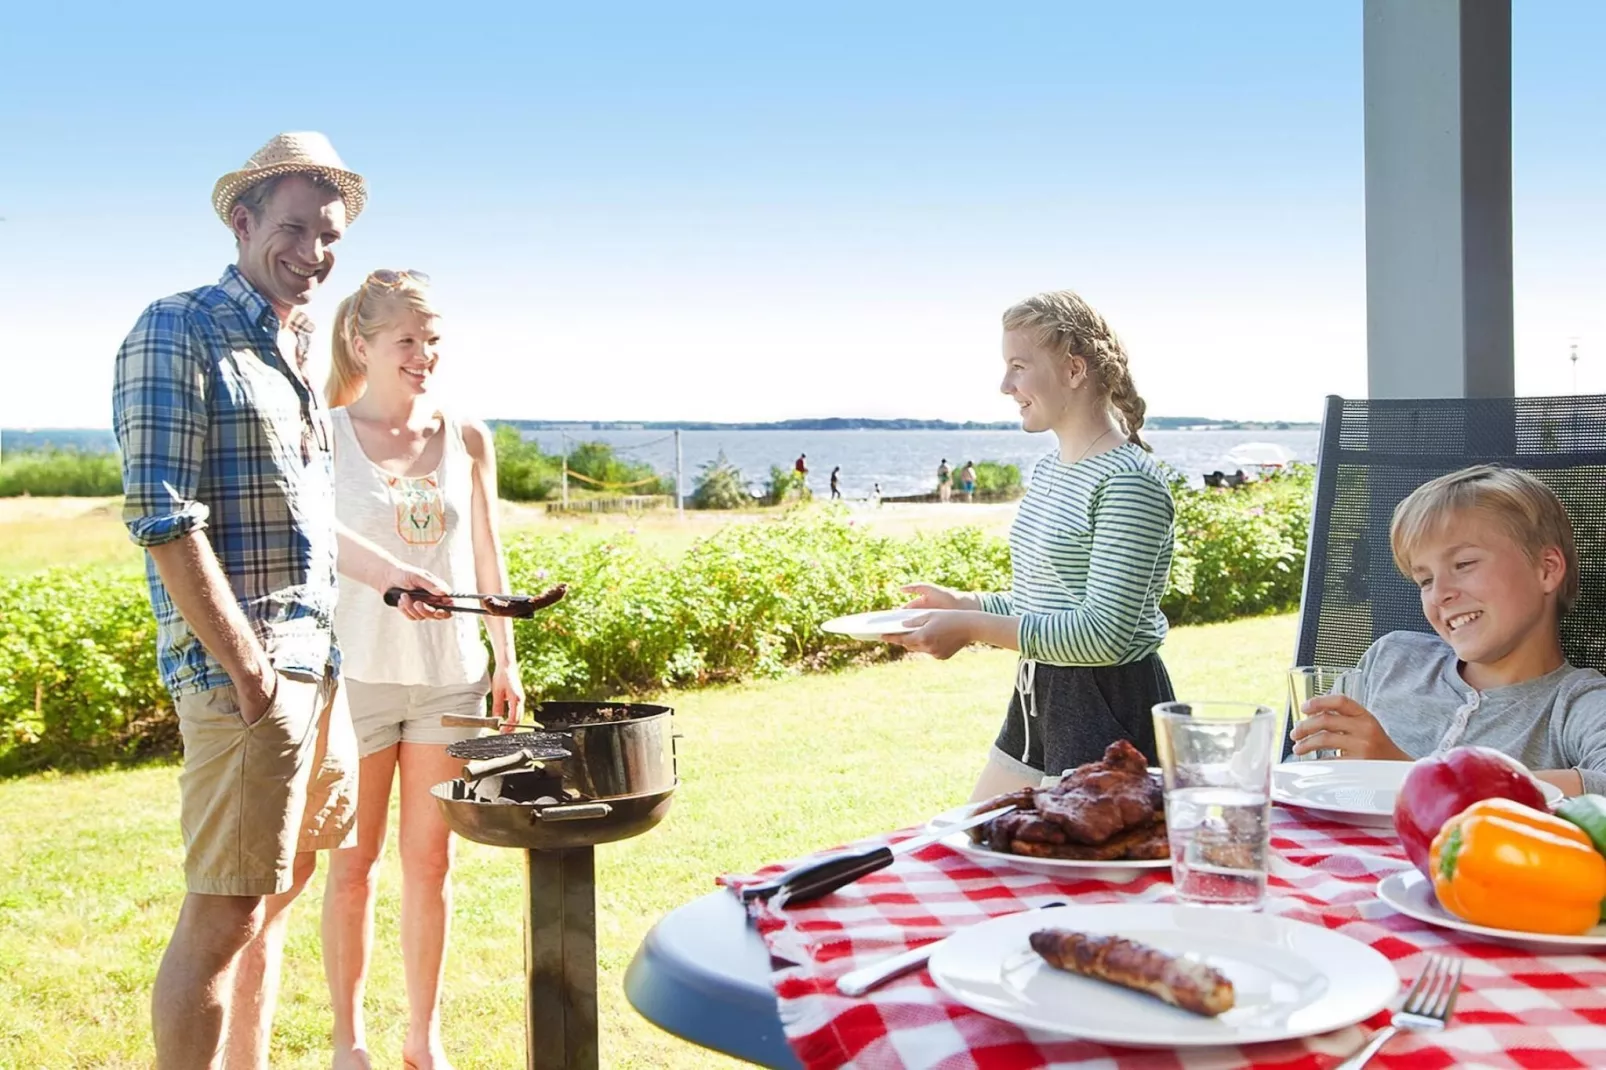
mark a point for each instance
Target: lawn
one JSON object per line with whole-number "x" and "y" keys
{"x": 37, "y": 533}
{"x": 90, "y": 864}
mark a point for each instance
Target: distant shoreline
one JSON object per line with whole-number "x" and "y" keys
{"x": 850, "y": 423}
{"x": 100, "y": 440}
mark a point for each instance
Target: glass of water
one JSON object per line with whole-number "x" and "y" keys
{"x": 1306, "y": 682}
{"x": 1216, "y": 758}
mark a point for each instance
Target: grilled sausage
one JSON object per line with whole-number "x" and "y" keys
{"x": 1193, "y": 986}
{"x": 523, "y": 605}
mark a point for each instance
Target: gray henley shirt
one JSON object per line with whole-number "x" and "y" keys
{"x": 1413, "y": 686}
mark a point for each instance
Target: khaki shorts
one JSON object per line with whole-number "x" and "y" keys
{"x": 253, "y": 796}
{"x": 387, "y": 714}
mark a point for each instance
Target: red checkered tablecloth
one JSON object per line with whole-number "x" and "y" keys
{"x": 1516, "y": 1008}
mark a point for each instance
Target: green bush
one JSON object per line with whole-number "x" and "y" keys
{"x": 61, "y": 473}
{"x": 523, "y": 472}
{"x": 1240, "y": 552}
{"x": 747, "y": 600}
{"x": 78, "y": 680}
{"x": 720, "y": 485}
{"x": 603, "y": 471}
{"x": 995, "y": 478}
{"x": 786, "y": 485}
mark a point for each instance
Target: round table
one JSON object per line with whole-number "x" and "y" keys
{"x": 703, "y": 974}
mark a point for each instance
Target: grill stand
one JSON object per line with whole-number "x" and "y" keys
{"x": 560, "y": 959}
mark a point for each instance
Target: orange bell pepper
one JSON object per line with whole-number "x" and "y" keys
{"x": 1505, "y": 865}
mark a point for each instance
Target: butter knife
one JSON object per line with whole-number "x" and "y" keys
{"x": 865, "y": 978}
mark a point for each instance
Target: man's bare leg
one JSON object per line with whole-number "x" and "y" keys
{"x": 195, "y": 984}
{"x": 256, "y": 977}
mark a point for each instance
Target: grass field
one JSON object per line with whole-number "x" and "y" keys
{"x": 36, "y": 533}
{"x": 90, "y": 879}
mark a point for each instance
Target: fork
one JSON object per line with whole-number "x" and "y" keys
{"x": 1427, "y": 1008}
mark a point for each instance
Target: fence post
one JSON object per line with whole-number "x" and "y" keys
{"x": 680, "y": 487}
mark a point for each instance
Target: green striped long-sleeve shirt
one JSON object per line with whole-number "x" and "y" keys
{"x": 1091, "y": 552}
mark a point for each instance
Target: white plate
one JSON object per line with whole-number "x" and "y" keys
{"x": 872, "y": 626}
{"x": 1352, "y": 790}
{"x": 1289, "y": 979}
{"x": 1069, "y": 869}
{"x": 1411, "y": 894}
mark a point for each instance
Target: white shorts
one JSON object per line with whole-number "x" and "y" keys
{"x": 387, "y": 714}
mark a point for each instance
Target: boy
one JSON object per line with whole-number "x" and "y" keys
{"x": 1492, "y": 551}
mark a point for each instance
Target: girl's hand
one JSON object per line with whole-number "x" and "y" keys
{"x": 507, "y": 696}
{"x": 411, "y": 579}
{"x": 942, "y": 635}
{"x": 930, "y": 596}
{"x": 1337, "y": 722}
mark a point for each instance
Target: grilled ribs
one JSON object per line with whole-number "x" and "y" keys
{"x": 1181, "y": 982}
{"x": 1102, "y": 811}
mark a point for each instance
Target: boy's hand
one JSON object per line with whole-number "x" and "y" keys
{"x": 1337, "y": 722}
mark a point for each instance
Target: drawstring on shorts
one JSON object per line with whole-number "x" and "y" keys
{"x": 1026, "y": 688}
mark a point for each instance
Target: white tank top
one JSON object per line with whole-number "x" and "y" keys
{"x": 425, "y": 521}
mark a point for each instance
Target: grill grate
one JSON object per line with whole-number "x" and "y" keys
{"x": 547, "y": 746}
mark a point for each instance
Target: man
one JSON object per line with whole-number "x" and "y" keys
{"x": 228, "y": 484}
{"x": 944, "y": 481}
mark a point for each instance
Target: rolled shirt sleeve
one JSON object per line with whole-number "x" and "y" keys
{"x": 1131, "y": 539}
{"x": 159, "y": 411}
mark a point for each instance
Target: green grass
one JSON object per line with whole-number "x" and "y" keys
{"x": 90, "y": 872}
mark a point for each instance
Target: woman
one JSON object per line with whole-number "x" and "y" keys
{"x": 423, "y": 485}
{"x": 1090, "y": 550}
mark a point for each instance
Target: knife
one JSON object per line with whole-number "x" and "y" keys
{"x": 858, "y": 982}
{"x": 814, "y": 879}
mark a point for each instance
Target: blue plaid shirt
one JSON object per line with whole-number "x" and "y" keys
{"x": 219, "y": 432}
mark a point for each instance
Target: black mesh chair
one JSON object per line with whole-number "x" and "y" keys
{"x": 1374, "y": 453}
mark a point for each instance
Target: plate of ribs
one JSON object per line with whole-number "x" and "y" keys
{"x": 1101, "y": 821}
{"x": 1155, "y": 975}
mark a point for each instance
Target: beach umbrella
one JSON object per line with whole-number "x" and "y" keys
{"x": 1259, "y": 454}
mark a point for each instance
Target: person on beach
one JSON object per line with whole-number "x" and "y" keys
{"x": 422, "y": 485}
{"x": 836, "y": 482}
{"x": 1091, "y": 550}
{"x": 229, "y": 487}
{"x": 967, "y": 480}
{"x": 944, "y": 481}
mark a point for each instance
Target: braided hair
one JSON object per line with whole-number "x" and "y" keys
{"x": 1068, "y": 326}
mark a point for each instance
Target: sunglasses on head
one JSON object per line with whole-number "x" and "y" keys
{"x": 386, "y": 279}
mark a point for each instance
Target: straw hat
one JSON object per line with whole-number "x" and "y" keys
{"x": 291, "y": 154}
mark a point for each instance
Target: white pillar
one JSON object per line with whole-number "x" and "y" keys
{"x": 1438, "y": 198}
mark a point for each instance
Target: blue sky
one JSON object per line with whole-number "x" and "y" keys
{"x": 724, "y": 212}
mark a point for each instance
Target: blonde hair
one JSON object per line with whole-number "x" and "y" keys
{"x": 1067, "y": 326}
{"x": 1528, "y": 511}
{"x": 364, "y": 314}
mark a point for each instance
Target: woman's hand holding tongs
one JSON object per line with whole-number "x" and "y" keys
{"x": 409, "y": 581}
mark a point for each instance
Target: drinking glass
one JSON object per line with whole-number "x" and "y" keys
{"x": 1306, "y": 682}
{"x": 1216, "y": 758}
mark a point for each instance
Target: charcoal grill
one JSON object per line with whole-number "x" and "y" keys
{"x": 555, "y": 810}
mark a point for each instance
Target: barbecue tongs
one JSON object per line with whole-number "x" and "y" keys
{"x": 490, "y": 605}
